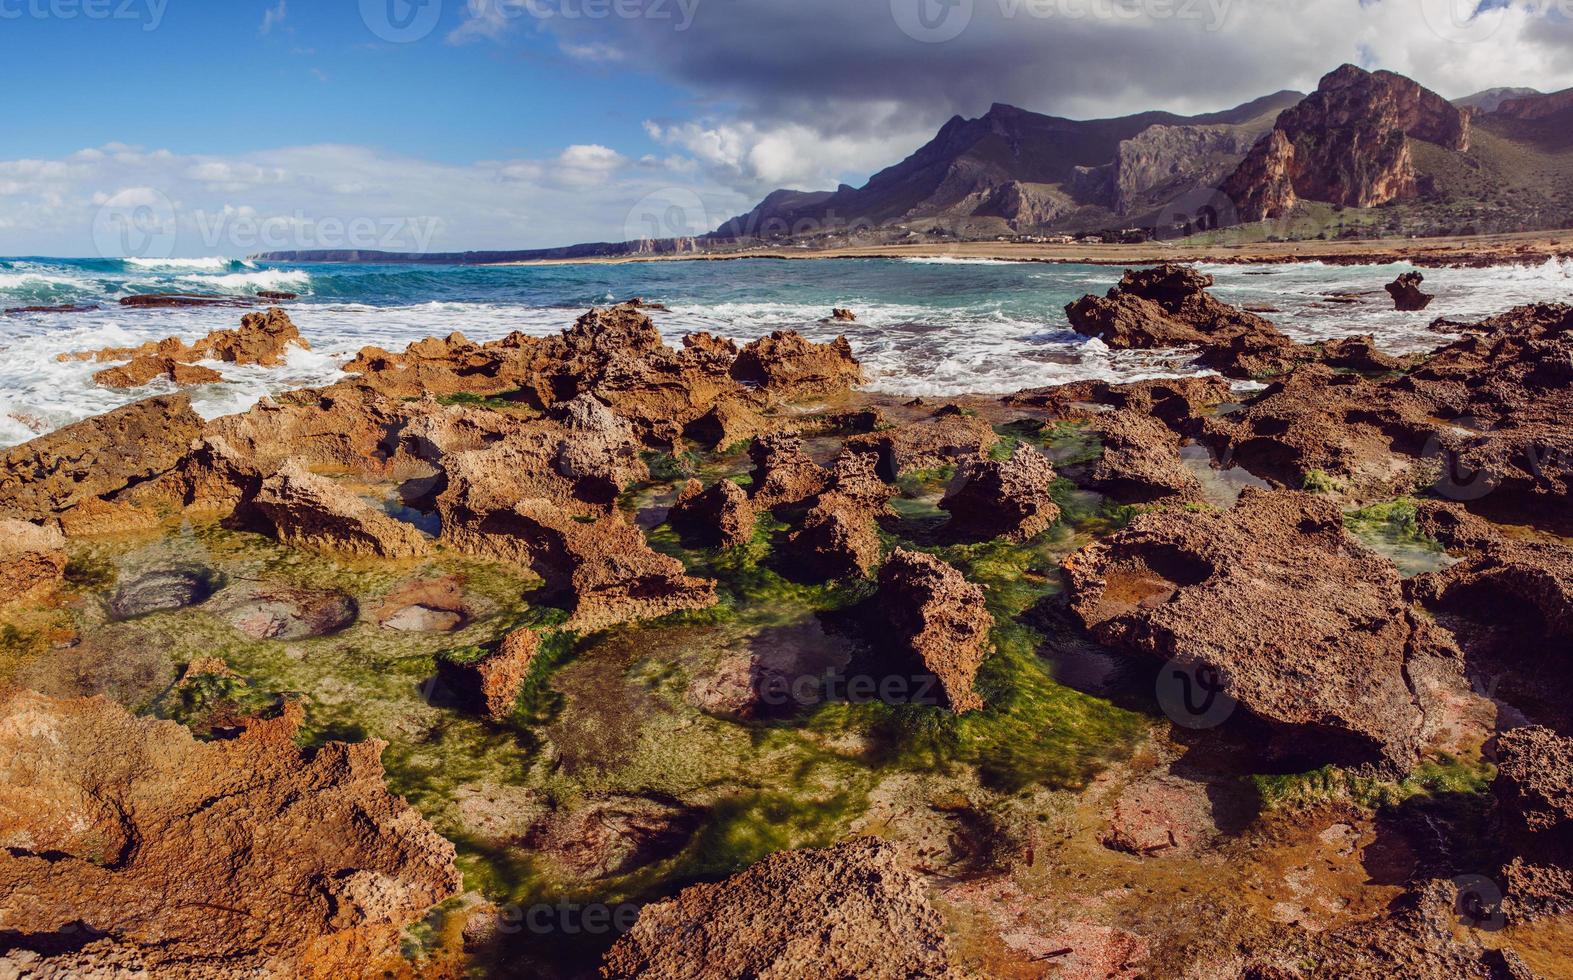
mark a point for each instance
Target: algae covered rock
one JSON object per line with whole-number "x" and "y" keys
{"x": 1010, "y": 499}
{"x": 721, "y": 516}
{"x": 489, "y": 682}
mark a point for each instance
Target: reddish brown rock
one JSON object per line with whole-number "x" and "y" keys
{"x": 142, "y": 370}
{"x": 95, "y": 517}
{"x": 791, "y": 367}
{"x": 310, "y": 511}
{"x": 1358, "y": 354}
{"x": 783, "y": 472}
{"x": 1349, "y": 143}
{"x": 263, "y": 338}
{"x": 32, "y": 559}
{"x": 96, "y": 457}
{"x": 1305, "y": 629}
{"x": 845, "y": 911}
{"x": 721, "y": 517}
{"x": 946, "y": 438}
{"x": 1168, "y": 306}
{"x": 839, "y": 537}
{"x": 1010, "y": 499}
{"x": 1177, "y": 402}
{"x": 1534, "y": 790}
{"x": 1141, "y": 460}
{"x": 609, "y": 834}
{"x": 938, "y": 621}
{"x": 130, "y": 846}
{"x": 490, "y": 684}
{"x": 841, "y": 315}
{"x": 1406, "y": 293}
{"x": 344, "y": 426}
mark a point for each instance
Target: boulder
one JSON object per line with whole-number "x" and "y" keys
{"x": 1010, "y": 499}
{"x": 1406, "y": 293}
{"x": 131, "y": 848}
{"x": 1176, "y": 402}
{"x": 937, "y": 622}
{"x": 845, "y": 911}
{"x": 720, "y": 517}
{"x": 786, "y": 365}
{"x": 311, "y": 511}
{"x": 944, "y": 439}
{"x": 32, "y": 558}
{"x": 96, "y": 457}
{"x": 1141, "y": 460}
{"x": 1305, "y": 629}
{"x": 783, "y": 472}
{"x": 602, "y": 568}
{"x": 839, "y": 536}
{"x": 490, "y": 683}
{"x": 263, "y": 339}
{"x": 1168, "y": 306}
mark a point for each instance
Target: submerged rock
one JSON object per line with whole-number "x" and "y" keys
{"x": 845, "y": 911}
{"x": 163, "y": 591}
{"x": 142, "y": 370}
{"x": 129, "y": 846}
{"x": 32, "y": 558}
{"x": 937, "y": 621}
{"x": 1406, "y": 293}
{"x": 96, "y": 457}
{"x": 1305, "y": 629}
{"x": 310, "y": 511}
{"x": 276, "y": 612}
{"x": 611, "y": 834}
{"x": 1010, "y": 499}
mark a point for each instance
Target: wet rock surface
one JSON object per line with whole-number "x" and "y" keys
{"x": 947, "y": 437}
{"x": 32, "y": 558}
{"x": 131, "y": 846}
{"x": 1304, "y": 629}
{"x": 163, "y": 591}
{"x": 843, "y": 911}
{"x": 1406, "y": 293}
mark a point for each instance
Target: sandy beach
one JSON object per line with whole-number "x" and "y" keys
{"x": 1477, "y": 250}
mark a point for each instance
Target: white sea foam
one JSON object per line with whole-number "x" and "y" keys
{"x": 204, "y": 263}
{"x": 958, "y": 260}
{"x": 253, "y": 281}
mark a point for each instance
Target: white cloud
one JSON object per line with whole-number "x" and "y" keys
{"x": 273, "y": 17}
{"x": 327, "y": 196}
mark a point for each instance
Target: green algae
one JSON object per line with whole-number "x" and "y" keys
{"x": 1320, "y": 481}
{"x": 1071, "y": 443}
{"x": 1445, "y": 775}
{"x": 1390, "y": 529}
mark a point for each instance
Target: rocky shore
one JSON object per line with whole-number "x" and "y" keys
{"x": 587, "y": 655}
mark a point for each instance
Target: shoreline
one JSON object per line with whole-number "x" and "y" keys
{"x": 1518, "y": 248}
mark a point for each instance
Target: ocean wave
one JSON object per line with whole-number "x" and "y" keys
{"x": 22, "y": 280}
{"x": 252, "y": 281}
{"x": 204, "y": 263}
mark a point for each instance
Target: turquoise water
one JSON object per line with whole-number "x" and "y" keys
{"x": 926, "y": 326}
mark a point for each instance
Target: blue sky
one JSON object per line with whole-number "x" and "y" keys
{"x": 203, "y": 127}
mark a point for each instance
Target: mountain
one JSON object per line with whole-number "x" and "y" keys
{"x": 1013, "y": 171}
{"x": 1348, "y": 144}
{"x": 1492, "y": 98}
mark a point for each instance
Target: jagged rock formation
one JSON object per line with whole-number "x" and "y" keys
{"x": 310, "y": 511}
{"x": 1010, "y": 499}
{"x": 96, "y": 457}
{"x": 1141, "y": 459}
{"x": 1168, "y": 306}
{"x": 1406, "y": 293}
{"x": 1534, "y": 788}
{"x": 945, "y": 438}
{"x": 1304, "y": 628}
{"x": 783, "y": 472}
{"x": 131, "y": 847}
{"x": 721, "y": 517}
{"x": 263, "y": 339}
{"x": 845, "y": 911}
{"x": 1348, "y": 143}
{"x": 142, "y": 370}
{"x": 937, "y": 622}
{"x": 490, "y": 684}
{"x": 838, "y": 537}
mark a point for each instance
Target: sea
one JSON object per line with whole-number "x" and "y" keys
{"x": 931, "y": 327}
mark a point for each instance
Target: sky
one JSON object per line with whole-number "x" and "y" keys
{"x": 230, "y": 127}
